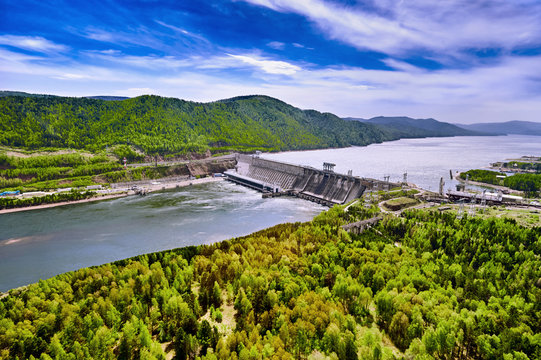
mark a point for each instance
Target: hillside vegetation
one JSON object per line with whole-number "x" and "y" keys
{"x": 425, "y": 285}
{"x": 158, "y": 125}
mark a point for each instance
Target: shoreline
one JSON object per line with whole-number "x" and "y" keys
{"x": 158, "y": 186}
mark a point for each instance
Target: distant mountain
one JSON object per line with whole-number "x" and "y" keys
{"x": 509, "y": 127}
{"x": 108, "y": 98}
{"x": 406, "y": 127}
{"x": 4, "y": 93}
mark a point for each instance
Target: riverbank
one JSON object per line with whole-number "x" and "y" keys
{"x": 152, "y": 187}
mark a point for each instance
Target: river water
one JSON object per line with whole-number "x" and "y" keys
{"x": 425, "y": 161}
{"x": 42, "y": 243}
{"x": 39, "y": 244}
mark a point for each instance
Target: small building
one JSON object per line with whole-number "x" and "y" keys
{"x": 512, "y": 199}
{"x": 329, "y": 167}
{"x": 10, "y": 193}
{"x": 94, "y": 187}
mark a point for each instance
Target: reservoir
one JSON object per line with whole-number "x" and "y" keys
{"x": 425, "y": 161}
{"x": 42, "y": 243}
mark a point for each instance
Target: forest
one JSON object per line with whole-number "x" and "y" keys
{"x": 157, "y": 125}
{"x": 423, "y": 285}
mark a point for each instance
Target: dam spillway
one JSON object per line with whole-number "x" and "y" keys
{"x": 322, "y": 186}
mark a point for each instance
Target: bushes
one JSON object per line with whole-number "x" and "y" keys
{"x": 11, "y": 202}
{"x": 126, "y": 151}
{"x": 400, "y": 203}
{"x": 485, "y": 176}
{"x": 529, "y": 183}
{"x": 44, "y": 172}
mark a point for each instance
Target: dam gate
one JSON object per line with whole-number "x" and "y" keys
{"x": 322, "y": 186}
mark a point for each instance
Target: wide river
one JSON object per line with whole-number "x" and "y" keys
{"x": 42, "y": 243}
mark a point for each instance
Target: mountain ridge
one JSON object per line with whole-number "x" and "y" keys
{"x": 516, "y": 127}
{"x": 162, "y": 125}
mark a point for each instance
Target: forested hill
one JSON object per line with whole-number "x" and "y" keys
{"x": 166, "y": 125}
{"x": 406, "y": 127}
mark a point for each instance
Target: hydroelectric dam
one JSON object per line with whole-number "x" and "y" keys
{"x": 322, "y": 186}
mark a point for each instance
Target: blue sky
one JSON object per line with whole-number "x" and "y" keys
{"x": 455, "y": 60}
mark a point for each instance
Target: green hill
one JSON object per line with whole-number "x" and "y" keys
{"x": 158, "y": 125}
{"x": 166, "y": 125}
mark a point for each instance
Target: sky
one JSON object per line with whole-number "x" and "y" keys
{"x": 460, "y": 61}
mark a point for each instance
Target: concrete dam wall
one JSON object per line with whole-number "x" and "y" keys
{"x": 322, "y": 186}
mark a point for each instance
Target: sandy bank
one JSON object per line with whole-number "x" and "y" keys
{"x": 155, "y": 186}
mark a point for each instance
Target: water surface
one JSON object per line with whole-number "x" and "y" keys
{"x": 425, "y": 161}
{"x": 39, "y": 244}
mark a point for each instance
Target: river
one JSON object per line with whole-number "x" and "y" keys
{"x": 42, "y": 243}
{"x": 425, "y": 161}
{"x": 39, "y": 244}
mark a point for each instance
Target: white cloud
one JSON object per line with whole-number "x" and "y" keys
{"x": 447, "y": 26}
{"x": 229, "y": 61}
{"x": 150, "y": 62}
{"x": 277, "y": 45}
{"x": 184, "y": 32}
{"x": 133, "y": 92}
{"x": 500, "y": 91}
{"x": 44, "y": 68}
{"x": 33, "y": 43}
{"x": 70, "y": 76}
{"x": 269, "y": 66}
{"x": 101, "y": 35}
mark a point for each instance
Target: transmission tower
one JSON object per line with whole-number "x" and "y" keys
{"x": 460, "y": 211}
{"x": 483, "y": 201}
{"x": 471, "y": 212}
